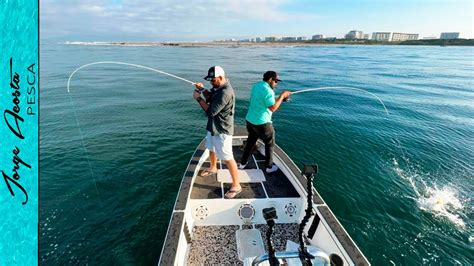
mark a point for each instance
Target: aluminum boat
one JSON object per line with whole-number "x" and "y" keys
{"x": 275, "y": 220}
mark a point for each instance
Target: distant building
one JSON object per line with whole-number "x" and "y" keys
{"x": 381, "y": 36}
{"x": 449, "y": 35}
{"x": 271, "y": 39}
{"x": 400, "y": 37}
{"x": 354, "y": 34}
{"x": 258, "y": 39}
{"x": 288, "y": 39}
{"x": 317, "y": 37}
{"x": 366, "y": 36}
{"x": 430, "y": 38}
{"x": 301, "y": 39}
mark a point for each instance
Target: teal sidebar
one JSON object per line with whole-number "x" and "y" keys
{"x": 19, "y": 87}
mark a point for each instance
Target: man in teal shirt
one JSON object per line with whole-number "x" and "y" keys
{"x": 259, "y": 118}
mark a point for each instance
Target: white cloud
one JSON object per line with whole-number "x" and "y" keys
{"x": 266, "y": 10}
{"x": 104, "y": 20}
{"x": 93, "y": 8}
{"x": 163, "y": 19}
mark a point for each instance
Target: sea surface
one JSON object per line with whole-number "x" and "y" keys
{"x": 114, "y": 150}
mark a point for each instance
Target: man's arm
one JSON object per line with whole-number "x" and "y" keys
{"x": 201, "y": 101}
{"x": 278, "y": 102}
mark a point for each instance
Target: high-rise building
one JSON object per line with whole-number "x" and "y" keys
{"x": 381, "y": 36}
{"x": 354, "y": 34}
{"x": 400, "y": 37}
{"x": 271, "y": 39}
{"x": 317, "y": 37}
{"x": 449, "y": 35}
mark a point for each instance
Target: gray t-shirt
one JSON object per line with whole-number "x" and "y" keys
{"x": 220, "y": 113}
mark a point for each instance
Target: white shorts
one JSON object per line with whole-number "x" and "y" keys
{"x": 221, "y": 145}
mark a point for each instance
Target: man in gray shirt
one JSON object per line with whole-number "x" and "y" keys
{"x": 219, "y": 105}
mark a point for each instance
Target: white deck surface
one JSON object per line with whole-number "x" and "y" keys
{"x": 245, "y": 176}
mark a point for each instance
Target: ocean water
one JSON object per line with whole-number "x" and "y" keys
{"x": 400, "y": 183}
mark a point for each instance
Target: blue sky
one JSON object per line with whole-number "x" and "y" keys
{"x": 201, "y": 20}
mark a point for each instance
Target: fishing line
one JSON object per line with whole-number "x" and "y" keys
{"x": 339, "y": 88}
{"x": 75, "y": 113}
{"x": 85, "y": 149}
{"x": 428, "y": 198}
{"x": 395, "y": 140}
{"x": 127, "y": 64}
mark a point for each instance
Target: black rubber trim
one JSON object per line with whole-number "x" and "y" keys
{"x": 314, "y": 226}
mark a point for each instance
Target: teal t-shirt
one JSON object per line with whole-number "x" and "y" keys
{"x": 261, "y": 97}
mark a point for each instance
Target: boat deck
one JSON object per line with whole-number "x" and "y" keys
{"x": 206, "y": 229}
{"x": 216, "y": 245}
{"x": 276, "y": 185}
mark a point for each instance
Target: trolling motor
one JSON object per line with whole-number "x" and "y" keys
{"x": 308, "y": 171}
{"x": 269, "y": 214}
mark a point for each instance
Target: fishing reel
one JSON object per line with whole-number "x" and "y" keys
{"x": 199, "y": 90}
{"x": 205, "y": 92}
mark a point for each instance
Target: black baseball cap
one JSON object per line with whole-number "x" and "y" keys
{"x": 271, "y": 75}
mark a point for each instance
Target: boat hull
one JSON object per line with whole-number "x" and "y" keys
{"x": 202, "y": 216}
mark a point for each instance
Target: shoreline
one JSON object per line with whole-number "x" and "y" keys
{"x": 237, "y": 44}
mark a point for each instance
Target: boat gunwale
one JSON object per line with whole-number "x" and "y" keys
{"x": 173, "y": 219}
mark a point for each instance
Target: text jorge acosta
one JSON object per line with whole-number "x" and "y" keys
{"x": 14, "y": 120}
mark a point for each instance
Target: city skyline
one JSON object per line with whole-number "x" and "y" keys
{"x": 205, "y": 20}
{"x": 352, "y": 35}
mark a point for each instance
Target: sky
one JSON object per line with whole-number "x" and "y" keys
{"x": 207, "y": 20}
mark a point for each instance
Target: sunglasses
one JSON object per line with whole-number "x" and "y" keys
{"x": 213, "y": 79}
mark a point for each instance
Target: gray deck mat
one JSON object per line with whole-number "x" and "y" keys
{"x": 216, "y": 245}
{"x": 206, "y": 187}
{"x": 277, "y": 184}
{"x": 249, "y": 190}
